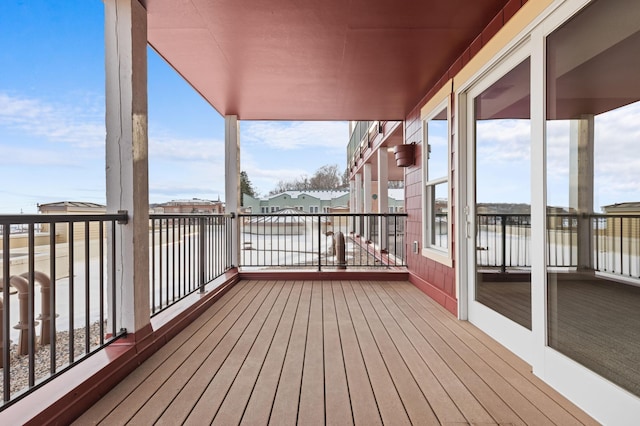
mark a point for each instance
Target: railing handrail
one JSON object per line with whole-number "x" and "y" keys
{"x": 27, "y": 219}
{"x": 188, "y": 215}
{"x": 573, "y": 215}
{"x": 325, "y": 214}
{"x": 503, "y": 214}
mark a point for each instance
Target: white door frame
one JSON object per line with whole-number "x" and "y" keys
{"x": 512, "y": 335}
{"x": 605, "y": 401}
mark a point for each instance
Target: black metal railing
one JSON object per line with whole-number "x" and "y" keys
{"x": 46, "y": 332}
{"x": 616, "y": 244}
{"x": 308, "y": 240}
{"x": 187, "y": 252}
{"x": 599, "y": 242}
{"x": 562, "y": 240}
{"x": 440, "y": 232}
{"x": 502, "y": 240}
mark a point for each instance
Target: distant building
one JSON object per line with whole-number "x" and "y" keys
{"x": 72, "y": 208}
{"x": 625, "y": 220}
{"x": 194, "y": 205}
{"x": 628, "y": 208}
{"x": 313, "y": 201}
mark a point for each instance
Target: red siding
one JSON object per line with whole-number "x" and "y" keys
{"x": 435, "y": 279}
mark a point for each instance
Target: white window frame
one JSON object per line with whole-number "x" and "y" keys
{"x": 436, "y": 253}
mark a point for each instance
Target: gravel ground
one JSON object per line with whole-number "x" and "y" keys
{"x": 19, "y": 367}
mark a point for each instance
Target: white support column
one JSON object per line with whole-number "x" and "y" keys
{"x": 366, "y": 188}
{"x": 383, "y": 196}
{"x": 352, "y": 196}
{"x": 127, "y": 159}
{"x": 581, "y": 182}
{"x": 366, "y": 202}
{"x": 232, "y": 178}
{"x": 358, "y": 203}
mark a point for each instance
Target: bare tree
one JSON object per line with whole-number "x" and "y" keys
{"x": 326, "y": 177}
{"x": 345, "y": 178}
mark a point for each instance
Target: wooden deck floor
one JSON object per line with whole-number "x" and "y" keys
{"x": 287, "y": 352}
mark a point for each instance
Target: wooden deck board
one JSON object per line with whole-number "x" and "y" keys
{"x": 331, "y": 353}
{"x": 236, "y": 400}
{"x": 285, "y": 405}
{"x": 260, "y": 401}
{"x": 459, "y": 362}
{"x": 177, "y": 348}
{"x": 363, "y": 401}
{"x": 312, "y": 403}
{"x": 221, "y": 373}
{"x": 442, "y": 402}
{"x": 416, "y": 404}
{"x": 504, "y": 360}
{"x": 200, "y": 366}
{"x": 338, "y": 403}
{"x": 390, "y": 406}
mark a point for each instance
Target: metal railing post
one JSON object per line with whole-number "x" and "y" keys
{"x": 503, "y": 268}
{"x": 6, "y": 319}
{"x": 319, "y": 245}
{"x": 340, "y": 250}
{"x": 201, "y": 251}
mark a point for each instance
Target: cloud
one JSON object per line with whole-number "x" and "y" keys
{"x": 503, "y": 141}
{"x": 616, "y": 167}
{"x": 81, "y": 126}
{"x": 333, "y": 135}
{"x": 35, "y": 157}
{"x": 186, "y": 149}
{"x": 164, "y": 190}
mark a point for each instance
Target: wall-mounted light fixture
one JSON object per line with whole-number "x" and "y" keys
{"x": 405, "y": 154}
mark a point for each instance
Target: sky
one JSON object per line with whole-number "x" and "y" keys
{"x": 504, "y": 157}
{"x": 52, "y": 132}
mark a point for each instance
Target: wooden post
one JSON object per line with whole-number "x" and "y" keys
{"x": 127, "y": 163}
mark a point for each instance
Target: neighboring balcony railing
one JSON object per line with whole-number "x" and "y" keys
{"x": 54, "y": 311}
{"x": 616, "y": 244}
{"x": 360, "y": 139}
{"x": 313, "y": 240}
{"x": 187, "y": 252}
{"x": 502, "y": 240}
{"x": 611, "y": 243}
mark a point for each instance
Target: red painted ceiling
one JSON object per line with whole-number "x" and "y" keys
{"x": 315, "y": 60}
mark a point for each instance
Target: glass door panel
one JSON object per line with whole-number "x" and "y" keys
{"x": 503, "y": 195}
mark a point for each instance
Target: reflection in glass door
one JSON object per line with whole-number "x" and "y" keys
{"x": 503, "y": 195}
{"x": 593, "y": 190}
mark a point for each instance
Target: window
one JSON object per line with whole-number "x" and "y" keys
{"x": 593, "y": 190}
{"x": 436, "y": 177}
{"x": 314, "y": 209}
